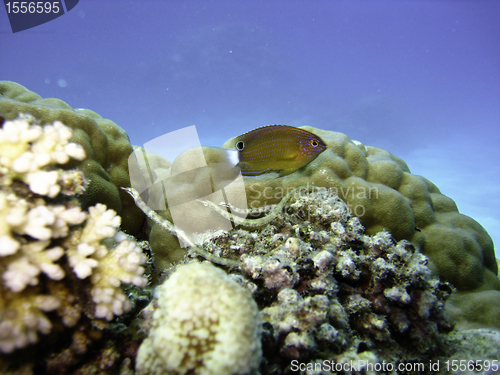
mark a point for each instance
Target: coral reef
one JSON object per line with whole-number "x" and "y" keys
{"x": 61, "y": 268}
{"x": 204, "y": 323}
{"x": 325, "y": 289}
{"x": 375, "y": 184}
{"x": 327, "y": 274}
{"x": 106, "y": 147}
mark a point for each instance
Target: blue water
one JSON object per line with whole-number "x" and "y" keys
{"x": 419, "y": 78}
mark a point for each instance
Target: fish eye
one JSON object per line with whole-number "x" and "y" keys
{"x": 240, "y": 145}
{"x": 314, "y": 143}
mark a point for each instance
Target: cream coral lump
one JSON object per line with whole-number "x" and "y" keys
{"x": 204, "y": 324}
{"x": 47, "y": 241}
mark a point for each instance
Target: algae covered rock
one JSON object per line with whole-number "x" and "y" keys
{"x": 106, "y": 145}
{"x": 325, "y": 291}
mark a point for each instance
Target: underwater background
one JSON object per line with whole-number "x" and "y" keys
{"x": 418, "y": 78}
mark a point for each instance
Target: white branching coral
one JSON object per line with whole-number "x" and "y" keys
{"x": 27, "y": 149}
{"x": 108, "y": 269}
{"x": 22, "y": 318}
{"x": 44, "y": 233}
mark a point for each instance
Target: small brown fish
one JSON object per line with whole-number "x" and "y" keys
{"x": 276, "y": 148}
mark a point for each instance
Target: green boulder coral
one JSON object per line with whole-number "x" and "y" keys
{"x": 383, "y": 193}
{"x": 106, "y": 145}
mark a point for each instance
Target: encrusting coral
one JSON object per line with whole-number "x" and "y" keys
{"x": 60, "y": 267}
{"x": 106, "y": 147}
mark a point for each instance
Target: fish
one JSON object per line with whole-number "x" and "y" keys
{"x": 276, "y": 148}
